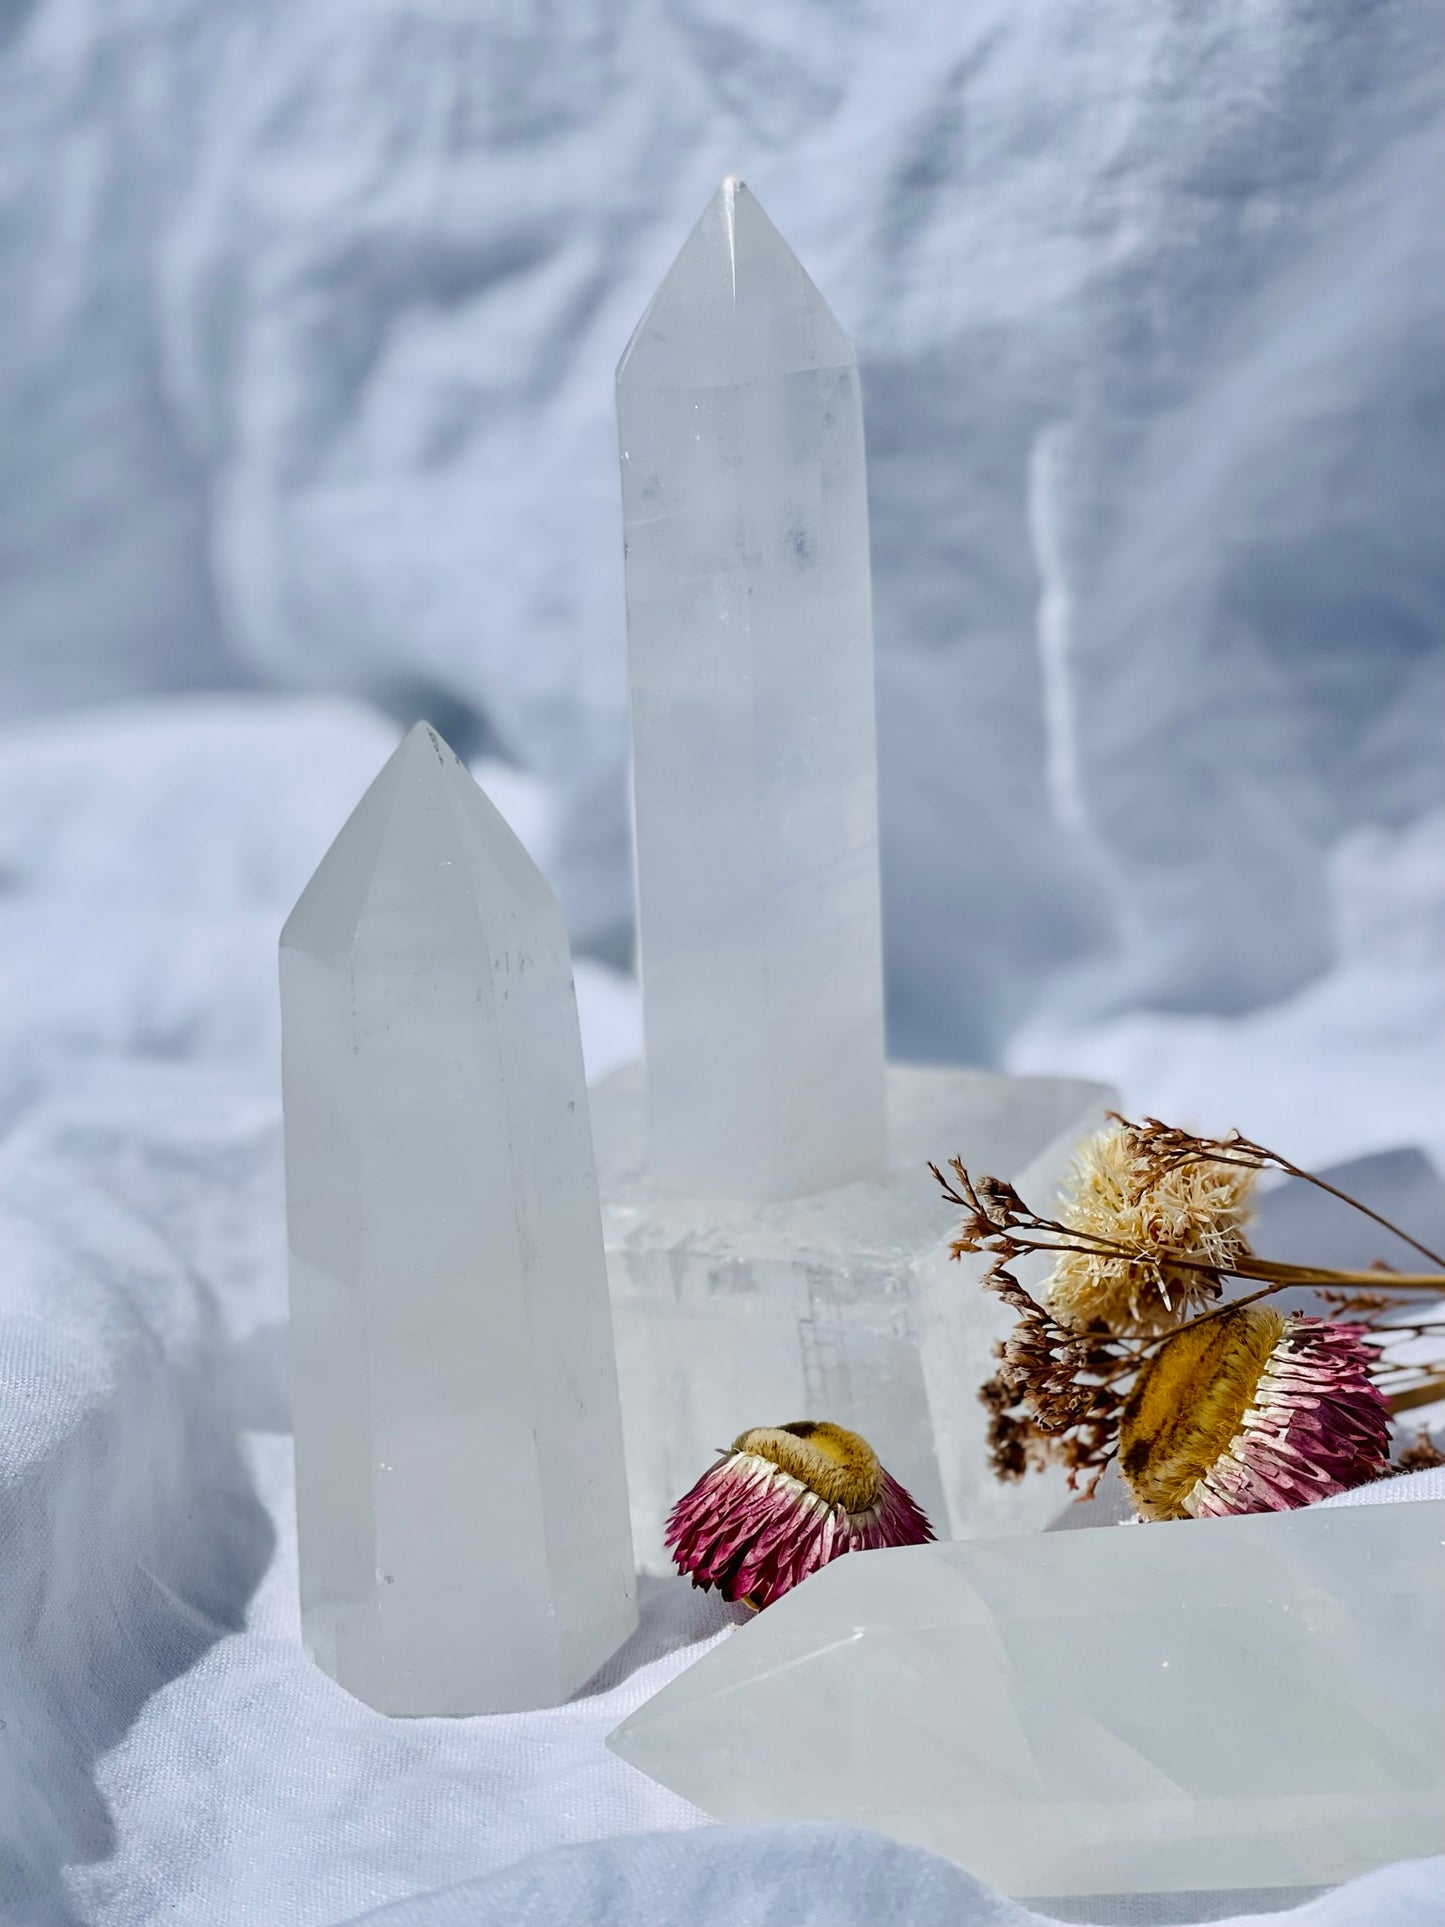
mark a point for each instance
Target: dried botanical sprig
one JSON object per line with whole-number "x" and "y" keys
{"x": 1017, "y": 1443}
{"x": 1423, "y": 1455}
{"x": 1422, "y": 1391}
{"x": 1271, "y": 1409}
{"x": 1356, "y": 1304}
{"x": 1053, "y": 1399}
{"x": 1169, "y": 1148}
{"x": 996, "y": 1221}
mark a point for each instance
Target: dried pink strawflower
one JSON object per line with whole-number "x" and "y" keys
{"x": 1253, "y": 1411}
{"x": 785, "y": 1500}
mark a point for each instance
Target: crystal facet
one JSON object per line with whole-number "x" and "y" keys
{"x": 462, "y": 1502}
{"x": 842, "y": 1305}
{"x": 1236, "y": 1703}
{"x": 750, "y": 652}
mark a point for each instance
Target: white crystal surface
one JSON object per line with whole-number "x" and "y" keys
{"x": 1214, "y": 1703}
{"x": 750, "y": 659}
{"x": 840, "y": 1305}
{"x": 462, "y": 1502}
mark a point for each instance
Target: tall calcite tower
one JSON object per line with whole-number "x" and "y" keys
{"x": 750, "y": 649}
{"x": 773, "y": 1251}
{"x": 462, "y": 1502}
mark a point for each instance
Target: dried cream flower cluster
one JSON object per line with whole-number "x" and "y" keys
{"x": 1118, "y": 1195}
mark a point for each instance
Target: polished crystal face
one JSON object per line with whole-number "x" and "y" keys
{"x": 1223, "y": 1703}
{"x": 462, "y": 1502}
{"x": 750, "y": 653}
{"x": 842, "y": 1305}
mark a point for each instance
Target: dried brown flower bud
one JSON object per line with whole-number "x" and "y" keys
{"x": 1422, "y": 1456}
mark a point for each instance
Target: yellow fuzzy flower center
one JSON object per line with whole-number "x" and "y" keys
{"x": 1188, "y": 1403}
{"x": 838, "y": 1465}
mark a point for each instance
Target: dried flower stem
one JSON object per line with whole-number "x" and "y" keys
{"x": 1294, "y": 1171}
{"x": 1289, "y": 1284}
{"x": 997, "y": 1221}
{"x": 1288, "y": 1276}
{"x": 1429, "y": 1392}
{"x": 1172, "y": 1146}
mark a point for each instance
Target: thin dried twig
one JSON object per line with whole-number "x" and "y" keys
{"x": 1171, "y": 1146}
{"x": 996, "y": 1220}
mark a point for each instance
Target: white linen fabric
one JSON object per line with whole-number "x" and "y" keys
{"x": 167, "y": 1753}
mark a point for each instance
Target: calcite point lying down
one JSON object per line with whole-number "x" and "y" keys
{"x": 1222, "y": 1703}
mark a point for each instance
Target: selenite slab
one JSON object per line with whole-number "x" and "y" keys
{"x": 750, "y": 664}
{"x": 462, "y": 1507}
{"x": 1223, "y": 1703}
{"x": 841, "y": 1305}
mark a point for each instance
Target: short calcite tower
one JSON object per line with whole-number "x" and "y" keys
{"x": 462, "y": 1502}
{"x": 750, "y": 652}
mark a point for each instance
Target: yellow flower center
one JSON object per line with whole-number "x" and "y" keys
{"x": 838, "y": 1465}
{"x": 1188, "y": 1403}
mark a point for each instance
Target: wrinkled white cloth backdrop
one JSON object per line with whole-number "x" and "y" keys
{"x": 307, "y": 321}
{"x": 166, "y": 1750}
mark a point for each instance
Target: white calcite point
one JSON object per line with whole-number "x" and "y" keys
{"x": 1230, "y": 1703}
{"x": 750, "y": 659}
{"x": 461, "y": 1496}
{"x": 841, "y": 1305}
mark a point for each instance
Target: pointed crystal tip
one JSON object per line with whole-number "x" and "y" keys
{"x": 424, "y": 792}
{"x": 735, "y": 306}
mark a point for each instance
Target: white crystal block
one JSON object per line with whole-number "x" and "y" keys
{"x": 842, "y": 1305}
{"x": 1234, "y": 1703}
{"x": 462, "y": 1502}
{"x": 750, "y": 659}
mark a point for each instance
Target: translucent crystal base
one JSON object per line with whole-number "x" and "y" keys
{"x": 841, "y": 1305}
{"x": 1216, "y": 1703}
